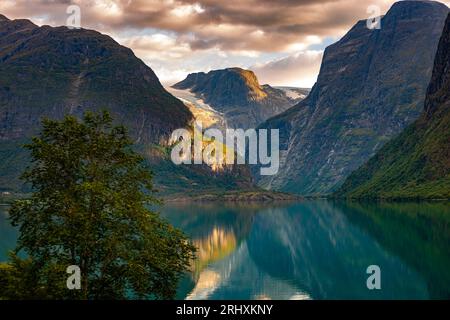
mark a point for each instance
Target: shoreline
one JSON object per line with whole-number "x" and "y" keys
{"x": 245, "y": 196}
{"x": 253, "y": 196}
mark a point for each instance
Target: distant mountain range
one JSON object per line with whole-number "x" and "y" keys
{"x": 416, "y": 164}
{"x": 50, "y": 72}
{"x": 238, "y": 96}
{"x": 372, "y": 84}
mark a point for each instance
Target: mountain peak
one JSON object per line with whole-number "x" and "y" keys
{"x": 251, "y": 81}
{"x": 235, "y": 80}
{"x": 408, "y": 9}
{"x": 82, "y": 67}
{"x": 17, "y": 24}
{"x": 236, "y": 93}
{"x": 416, "y": 4}
{"x": 371, "y": 85}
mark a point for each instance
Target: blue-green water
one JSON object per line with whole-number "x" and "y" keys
{"x": 309, "y": 250}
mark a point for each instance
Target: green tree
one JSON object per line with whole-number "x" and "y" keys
{"x": 89, "y": 208}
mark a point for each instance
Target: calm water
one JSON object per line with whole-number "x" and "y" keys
{"x": 309, "y": 250}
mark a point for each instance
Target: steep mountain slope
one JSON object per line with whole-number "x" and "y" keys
{"x": 416, "y": 164}
{"x": 371, "y": 85}
{"x": 46, "y": 71}
{"x": 54, "y": 71}
{"x": 237, "y": 94}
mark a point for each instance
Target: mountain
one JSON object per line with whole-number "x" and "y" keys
{"x": 416, "y": 164}
{"x": 371, "y": 85}
{"x": 46, "y": 71}
{"x": 49, "y": 72}
{"x": 294, "y": 92}
{"x": 237, "y": 94}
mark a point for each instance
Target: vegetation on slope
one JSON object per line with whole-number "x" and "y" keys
{"x": 416, "y": 164}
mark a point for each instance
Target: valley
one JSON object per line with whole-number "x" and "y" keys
{"x": 237, "y": 181}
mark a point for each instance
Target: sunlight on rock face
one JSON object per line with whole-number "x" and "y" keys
{"x": 209, "y": 119}
{"x": 207, "y": 283}
{"x": 203, "y": 112}
{"x": 256, "y": 92}
{"x": 217, "y": 245}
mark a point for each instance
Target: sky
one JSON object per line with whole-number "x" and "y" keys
{"x": 282, "y": 41}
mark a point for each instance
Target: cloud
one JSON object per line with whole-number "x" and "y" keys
{"x": 300, "y": 69}
{"x": 158, "y": 46}
{"x": 180, "y": 35}
{"x": 251, "y": 25}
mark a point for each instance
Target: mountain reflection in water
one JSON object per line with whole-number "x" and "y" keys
{"x": 315, "y": 250}
{"x": 308, "y": 250}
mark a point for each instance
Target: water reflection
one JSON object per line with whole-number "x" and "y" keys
{"x": 418, "y": 233}
{"x": 315, "y": 250}
{"x": 309, "y": 250}
{"x": 8, "y": 234}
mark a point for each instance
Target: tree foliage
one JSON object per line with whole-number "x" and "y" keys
{"x": 90, "y": 208}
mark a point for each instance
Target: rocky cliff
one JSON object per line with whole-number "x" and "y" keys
{"x": 50, "y": 72}
{"x": 416, "y": 164}
{"x": 371, "y": 85}
{"x": 237, "y": 94}
{"x": 46, "y": 71}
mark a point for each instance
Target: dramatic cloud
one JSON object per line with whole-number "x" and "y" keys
{"x": 299, "y": 69}
{"x": 172, "y": 35}
{"x": 262, "y": 25}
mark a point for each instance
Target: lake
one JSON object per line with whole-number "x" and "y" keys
{"x": 309, "y": 250}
